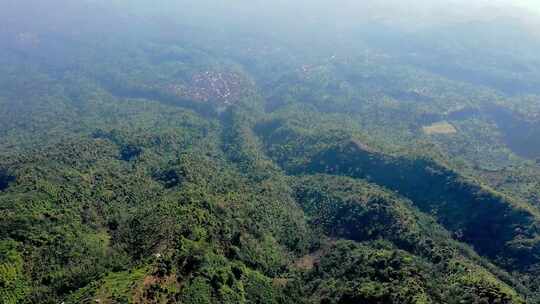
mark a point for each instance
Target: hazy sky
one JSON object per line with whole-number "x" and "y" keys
{"x": 289, "y": 14}
{"x": 339, "y": 9}
{"x": 529, "y": 4}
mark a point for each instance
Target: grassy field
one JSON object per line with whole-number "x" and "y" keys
{"x": 442, "y": 127}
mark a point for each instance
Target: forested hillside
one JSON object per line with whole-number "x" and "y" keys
{"x": 194, "y": 159}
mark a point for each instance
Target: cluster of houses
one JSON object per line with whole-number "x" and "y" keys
{"x": 212, "y": 86}
{"x": 26, "y": 40}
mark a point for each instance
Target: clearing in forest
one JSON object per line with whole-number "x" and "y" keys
{"x": 441, "y": 127}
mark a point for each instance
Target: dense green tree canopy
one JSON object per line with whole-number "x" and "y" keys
{"x": 148, "y": 160}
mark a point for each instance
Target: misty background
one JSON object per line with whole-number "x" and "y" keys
{"x": 492, "y": 45}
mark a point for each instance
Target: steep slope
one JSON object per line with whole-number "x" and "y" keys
{"x": 496, "y": 226}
